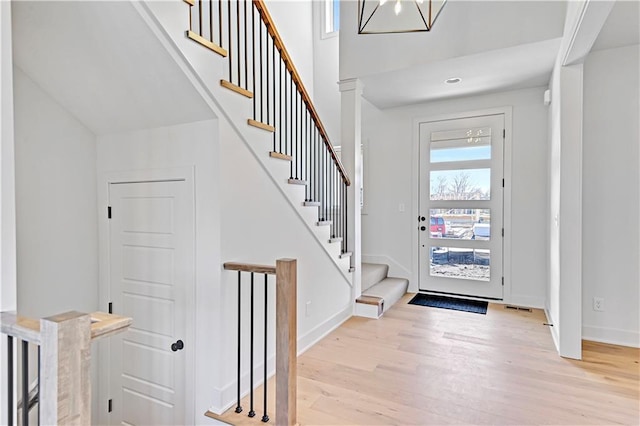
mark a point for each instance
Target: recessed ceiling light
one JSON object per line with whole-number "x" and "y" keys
{"x": 453, "y": 80}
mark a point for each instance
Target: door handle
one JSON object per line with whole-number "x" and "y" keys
{"x": 423, "y": 228}
{"x": 422, "y": 218}
{"x": 177, "y": 346}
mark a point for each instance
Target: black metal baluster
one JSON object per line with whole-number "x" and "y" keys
{"x": 260, "y": 49}
{"x": 25, "y": 383}
{"x": 299, "y": 132}
{"x": 291, "y": 114}
{"x": 253, "y": 59}
{"x": 265, "y": 417}
{"x": 10, "y": 379}
{"x": 230, "y": 50}
{"x": 252, "y": 413}
{"x": 246, "y": 60}
{"x": 309, "y": 151}
{"x": 332, "y": 213}
{"x": 200, "y": 17}
{"x": 238, "y": 40}
{"x": 38, "y": 395}
{"x": 220, "y": 21}
{"x": 280, "y": 105}
{"x": 346, "y": 222}
{"x": 238, "y": 406}
{"x": 211, "y": 21}
{"x": 268, "y": 82}
{"x": 296, "y": 138}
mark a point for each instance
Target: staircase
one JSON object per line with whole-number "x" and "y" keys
{"x": 267, "y": 103}
{"x": 379, "y": 291}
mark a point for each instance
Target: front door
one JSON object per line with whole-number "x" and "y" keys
{"x": 461, "y": 206}
{"x": 151, "y": 258}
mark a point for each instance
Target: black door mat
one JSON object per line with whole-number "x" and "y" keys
{"x": 445, "y": 302}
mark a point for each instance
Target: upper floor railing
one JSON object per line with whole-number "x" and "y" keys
{"x": 59, "y": 387}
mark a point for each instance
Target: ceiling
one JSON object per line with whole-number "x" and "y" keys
{"x": 490, "y": 45}
{"x": 622, "y": 27}
{"x": 127, "y": 80}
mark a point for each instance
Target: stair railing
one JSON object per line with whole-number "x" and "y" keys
{"x": 259, "y": 67}
{"x": 63, "y": 343}
{"x": 286, "y": 352}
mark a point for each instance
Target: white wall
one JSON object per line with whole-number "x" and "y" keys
{"x": 610, "y": 228}
{"x": 388, "y": 138}
{"x": 258, "y": 226}
{"x": 7, "y": 188}
{"x": 325, "y": 72}
{"x": 293, "y": 20}
{"x": 57, "y": 233}
{"x": 193, "y": 145}
{"x": 7, "y": 172}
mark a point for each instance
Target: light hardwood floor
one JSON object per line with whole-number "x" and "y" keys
{"x": 421, "y": 366}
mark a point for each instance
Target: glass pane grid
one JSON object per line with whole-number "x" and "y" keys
{"x": 461, "y": 263}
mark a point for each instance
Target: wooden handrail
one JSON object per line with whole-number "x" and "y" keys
{"x": 248, "y": 267}
{"x": 279, "y": 44}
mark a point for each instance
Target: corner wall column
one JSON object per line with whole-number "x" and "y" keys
{"x": 351, "y": 141}
{"x": 8, "y": 287}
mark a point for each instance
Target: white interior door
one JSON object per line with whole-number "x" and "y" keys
{"x": 460, "y": 221}
{"x": 151, "y": 269}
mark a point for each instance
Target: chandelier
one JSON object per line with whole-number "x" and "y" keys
{"x": 397, "y": 16}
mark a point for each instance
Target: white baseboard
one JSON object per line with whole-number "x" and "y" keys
{"x": 224, "y": 398}
{"x": 526, "y": 301}
{"x": 554, "y": 330}
{"x": 612, "y": 336}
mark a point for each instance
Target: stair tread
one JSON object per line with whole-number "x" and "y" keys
{"x": 297, "y": 182}
{"x": 345, "y": 254}
{"x": 312, "y": 203}
{"x": 370, "y": 300}
{"x": 324, "y": 222}
{"x": 335, "y": 240}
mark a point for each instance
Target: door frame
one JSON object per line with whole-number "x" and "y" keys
{"x": 506, "y": 200}
{"x": 187, "y": 175}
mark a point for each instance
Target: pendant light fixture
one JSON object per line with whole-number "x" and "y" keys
{"x": 397, "y": 16}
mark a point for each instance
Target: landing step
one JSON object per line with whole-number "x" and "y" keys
{"x": 228, "y": 85}
{"x": 297, "y": 182}
{"x": 345, "y": 254}
{"x": 206, "y": 43}
{"x": 324, "y": 222}
{"x": 312, "y": 203}
{"x": 335, "y": 240}
{"x": 280, "y": 156}
{"x": 261, "y": 125}
{"x": 369, "y": 306}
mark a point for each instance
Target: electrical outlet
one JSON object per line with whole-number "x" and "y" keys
{"x": 401, "y": 207}
{"x": 598, "y": 304}
{"x": 307, "y": 309}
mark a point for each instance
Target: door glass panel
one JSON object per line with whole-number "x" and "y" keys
{"x": 461, "y": 224}
{"x": 460, "y": 184}
{"x": 441, "y": 154}
{"x": 462, "y": 263}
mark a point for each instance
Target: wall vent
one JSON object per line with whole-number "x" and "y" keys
{"x": 518, "y": 308}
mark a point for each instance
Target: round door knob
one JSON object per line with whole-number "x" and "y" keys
{"x": 422, "y": 218}
{"x": 177, "y": 346}
{"x": 423, "y": 228}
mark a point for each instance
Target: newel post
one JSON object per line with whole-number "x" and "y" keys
{"x": 286, "y": 341}
{"x": 65, "y": 387}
